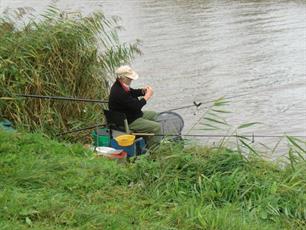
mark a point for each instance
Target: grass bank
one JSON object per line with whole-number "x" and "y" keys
{"x": 45, "y": 184}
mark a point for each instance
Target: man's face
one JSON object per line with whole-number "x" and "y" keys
{"x": 128, "y": 81}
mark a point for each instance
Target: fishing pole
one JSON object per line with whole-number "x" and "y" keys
{"x": 198, "y": 104}
{"x": 187, "y": 106}
{"x": 81, "y": 129}
{"x": 61, "y": 98}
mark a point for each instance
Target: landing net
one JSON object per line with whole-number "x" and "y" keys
{"x": 171, "y": 123}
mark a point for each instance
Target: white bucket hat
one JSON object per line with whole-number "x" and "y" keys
{"x": 126, "y": 71}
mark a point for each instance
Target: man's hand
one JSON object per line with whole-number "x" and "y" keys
{"x": 149, "y": 93}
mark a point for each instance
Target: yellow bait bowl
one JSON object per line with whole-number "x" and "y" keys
{"x": 125, "y": 140}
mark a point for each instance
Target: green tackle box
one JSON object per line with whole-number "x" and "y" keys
{"x": 101, "y": 137}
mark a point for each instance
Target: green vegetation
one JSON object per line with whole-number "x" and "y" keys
{"x": 55, "y": 54}
{"x": 49, "y": 185}
{"x": 45, "y": 184}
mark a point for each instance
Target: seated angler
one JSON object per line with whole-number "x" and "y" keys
{"x": 130, "y": 101}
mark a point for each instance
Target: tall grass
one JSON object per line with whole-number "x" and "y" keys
{"x": 49, "y": 185}
{"x": 53, "y": 54}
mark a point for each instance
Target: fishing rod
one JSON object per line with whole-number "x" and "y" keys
{"x": 81, "y": 129}
{"x": 198, "y": 104}
{"x": 61, "y": 98}
{"x": 91, "y": 100}
{"x": 187, "y": 106}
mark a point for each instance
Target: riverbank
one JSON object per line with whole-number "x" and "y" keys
{"x": 46, "y": 184}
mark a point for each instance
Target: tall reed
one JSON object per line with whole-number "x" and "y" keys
{"x": 57, "y": 55}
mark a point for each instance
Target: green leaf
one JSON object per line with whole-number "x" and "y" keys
{"x": 221, "y": 111}
{"x": 248, "y": 146}
{"x": 212, "y": 126}
{"x": 264, "y": 214}
{"x": 7, "y": 98}
{"x": 243, "y": 137}
{"x": 221, "y": 101}
{"x": 293, "y": 142}
{"x": 247, "y": 125}
{"x": 28, "y": 221}
{"x": 27, "y": 212}
{"x": 214, "y": 120}
{"x": 208, "y": 129}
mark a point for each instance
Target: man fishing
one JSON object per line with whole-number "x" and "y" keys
{"x": 130, "y": 101}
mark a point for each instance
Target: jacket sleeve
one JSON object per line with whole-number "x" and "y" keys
{"x": 137, "y": 92}
{"x": 132, "y": 103}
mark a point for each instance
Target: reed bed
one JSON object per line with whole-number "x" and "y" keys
{"x": 54, "y": 54}
{"x": 50, "y": 185}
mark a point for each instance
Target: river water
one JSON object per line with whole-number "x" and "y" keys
{"x": 200, "y": 50}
